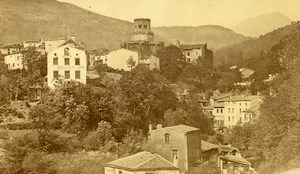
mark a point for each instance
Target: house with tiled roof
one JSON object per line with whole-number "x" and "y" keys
{"x": 180, "y": 143}
{"x": 141, "y": 163}
{"x": 197, "y": 53}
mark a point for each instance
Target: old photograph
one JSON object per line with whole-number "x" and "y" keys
{"x": 149, "y": 87}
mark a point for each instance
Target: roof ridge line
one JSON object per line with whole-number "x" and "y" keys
{"x": 153, "y": 157}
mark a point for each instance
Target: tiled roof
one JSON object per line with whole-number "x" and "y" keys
{"x": 183, "y": 128}
{"x": 240, "y": 98}
{"x": 236, "y": 159}
{"x": 219, "y": 105}
{"x": 208, "y": 146}
{"x": 191, "y": 46}
{"x": 142, "y": 161}
{"x": 208, "y": 108}
{"x": 32, "y": 41}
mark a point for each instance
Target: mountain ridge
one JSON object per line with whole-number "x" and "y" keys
{"x": 48, "y": 19}
{"x": 262, "y": 24}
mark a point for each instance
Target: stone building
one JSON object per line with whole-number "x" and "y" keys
{"x": 197, "y": 54}
{"x": 11, "y": 49}
{"x": 142, "y": 40}
{"x": 179, "y": 143}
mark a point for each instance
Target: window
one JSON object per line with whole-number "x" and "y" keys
{"x": 55, "y": 61}
{"x": 77, "y": 74}
{"x": 174, "y": 153}
{"x": 77, "y": 61}
{"x": 217, "y": 110}
{"x": 140, "y": 26}
{"x": 120, "y": 172}
{"x": 55, "y": 74}
{"x": 240, "y": 104}
{"x": 13, "y": 64}
{"x": 188, "y": 53}
{"x": 232, "y": 110}
{"x": 67, "y": 52}
{"x": 67, "y": 61}
{"x": 145, "y": 26}
{"x": 228, "y": 110}
{"x": 55, "y": 54}
{"x": 221, "y": 111}
{"x": 240, "y": 111}
{"x": 228, "y": 118}
{"x": 67, "y": 74}
{"x": 167, "y": 138}
{"x": 246, "y": 104}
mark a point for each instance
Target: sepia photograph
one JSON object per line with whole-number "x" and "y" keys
{"x": 149, "y": 87}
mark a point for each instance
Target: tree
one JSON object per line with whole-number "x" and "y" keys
{"x": 147, "y": 96}
{"x": 172, "y": 62}
{"x": 131, "y": 63}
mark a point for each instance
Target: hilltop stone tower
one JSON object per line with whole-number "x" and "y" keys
{"x": 142, "y": 30}
{"x": 142, "y": 39}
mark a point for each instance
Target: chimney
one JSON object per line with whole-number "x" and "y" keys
{"x": 178, "y": 43}
{"x": 150, "y": 127}
{"x": 159, "y": 126}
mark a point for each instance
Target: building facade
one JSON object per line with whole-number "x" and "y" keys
{"x": 176, "y": 143}
{"x": 14, "y": 61}
{"x": 66, "y": 63}
{"x": 118, "y": 59}
{"x": 11, "y": 49}
{"x": 197, "y": 54}
{"x": 141, "y": 163}
{"x": 33, "y": 43}
{"x": 236, "y": 109}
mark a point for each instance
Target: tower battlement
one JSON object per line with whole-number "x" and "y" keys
{"x": 142, "y": 30}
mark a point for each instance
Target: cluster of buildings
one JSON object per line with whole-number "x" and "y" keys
{"x": 178, "y": 149}
{"x": 229, "y": 111}
{"x": 68, "y": 59}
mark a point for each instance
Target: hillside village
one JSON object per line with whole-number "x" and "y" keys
{"x": 150, "y": 106}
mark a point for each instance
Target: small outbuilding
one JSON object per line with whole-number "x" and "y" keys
{"x": 141, "y": 163}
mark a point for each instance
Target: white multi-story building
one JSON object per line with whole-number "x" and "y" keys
{"x": 67, "y": 63}
{"x": 14, "y": 61}
{"x": 237, "y": 109}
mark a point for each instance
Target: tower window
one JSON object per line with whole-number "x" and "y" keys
{"x": 167, "y": 138}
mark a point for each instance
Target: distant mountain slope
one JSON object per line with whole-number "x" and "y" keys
{"x": 235, "y": 54}
{"x": 48, "y": 19}
{"x": 22, "y": 20}
{"x": 215, "y": 36}
{"x": 262, "y": 24}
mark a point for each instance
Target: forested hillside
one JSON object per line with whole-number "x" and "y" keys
{"x": 238, "y": 53}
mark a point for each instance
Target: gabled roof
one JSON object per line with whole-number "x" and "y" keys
{"x": 191, "y": 46}
{"x": 208, "y": 146}
{"x": 77, "y": 45}
{"x": 182, "y": 128}
{"x": 142, "y": 161}
{"x": 236, "y": 159}
{"x": 240, "y": 98}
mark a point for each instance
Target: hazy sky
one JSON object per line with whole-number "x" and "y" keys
{"x": 190, "y": 12}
